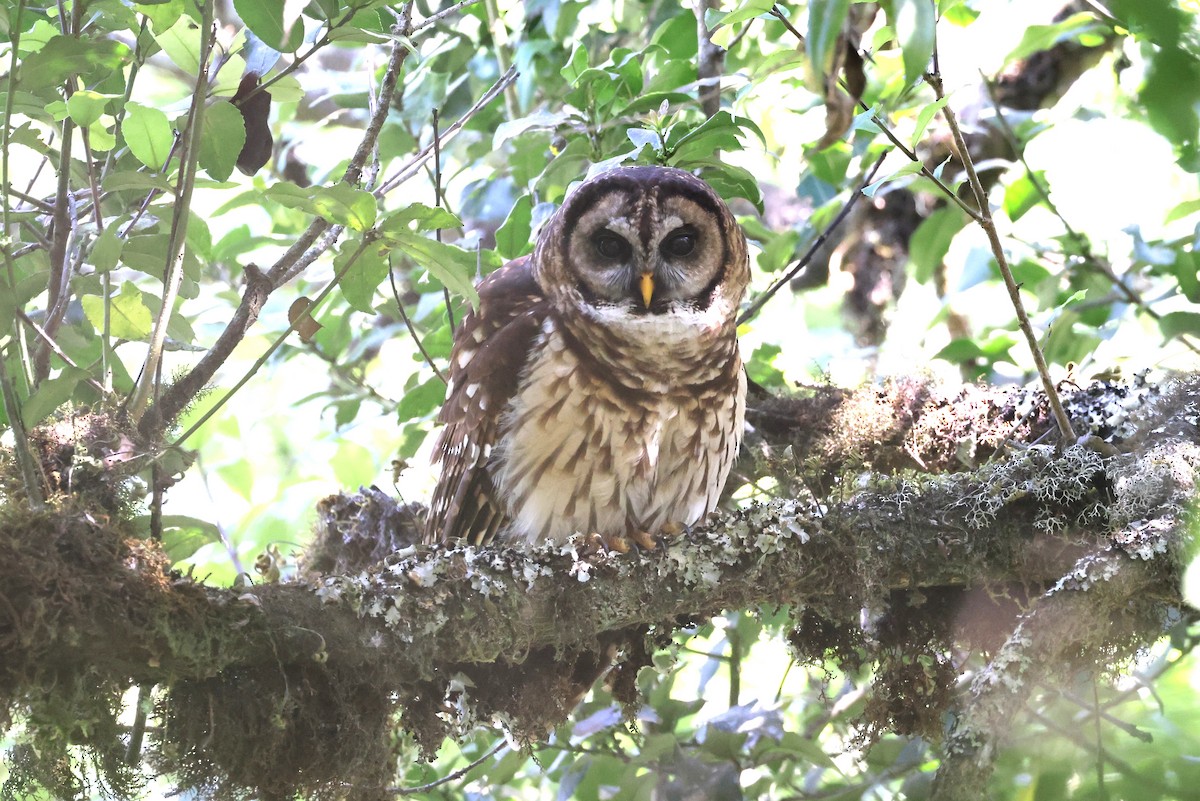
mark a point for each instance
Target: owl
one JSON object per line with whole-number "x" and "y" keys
{"x": 598, "y": 388}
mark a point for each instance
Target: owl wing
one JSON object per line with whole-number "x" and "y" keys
{"x": 490, "y": 350}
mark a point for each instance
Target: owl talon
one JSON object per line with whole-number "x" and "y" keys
{"x": 671, "y": 530}
{"x": 616, "y": 542}
{"x": 645, "y": 540}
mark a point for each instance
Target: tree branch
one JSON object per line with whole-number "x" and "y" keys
{"x": 315, "y": 671}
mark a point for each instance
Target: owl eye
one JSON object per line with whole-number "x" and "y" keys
{"x": 611, "y": 246}
{"x": 680, "y": 243}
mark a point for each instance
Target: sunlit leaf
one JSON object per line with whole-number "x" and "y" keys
{"x": 747, "y": 10}
{"x": 86, "y": 106}
{"x": 181, "y": 43}
{"x": 344, "y": 204}
{"x": 129, "y": 317}
{"x": 914, "y": 21}
{"x": 450, "y": 265}
{"x": 149, "y": 134}
{"x": 1020, "y": 196}
{"x": 359, "y": 283}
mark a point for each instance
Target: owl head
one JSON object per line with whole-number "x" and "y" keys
{"x": 643, "y": 242}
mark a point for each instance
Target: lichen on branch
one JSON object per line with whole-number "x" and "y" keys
{"x": 299, "y": 687}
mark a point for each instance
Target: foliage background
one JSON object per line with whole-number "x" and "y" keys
{"x": 1107, "y": 261}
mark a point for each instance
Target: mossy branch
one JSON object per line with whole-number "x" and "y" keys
{"x": 261, "y": 680}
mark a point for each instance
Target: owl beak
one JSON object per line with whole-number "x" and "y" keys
{"x": 646, "y": 284}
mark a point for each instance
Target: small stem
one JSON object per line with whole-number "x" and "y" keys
{"x": 173, "y": 275}
{"x": 254, "y": 368}
{"x": 63, "y": 230}
{"x": 437, "y": 201}
{"x": 445, "y": 12}
{"x": 754, "y": 308}
{"x": 30, "y": 473}
{"x": 500, "y": 40}
{"x": 1014, "y": 293}
{"x": 412, "y": 331}
{"x": 887, "y": 131}
{"x": 50, "y": 343}
{"x": 413, "y": 165}
{"x": 458, "y": 774}
{"x": 1081, "y": 242}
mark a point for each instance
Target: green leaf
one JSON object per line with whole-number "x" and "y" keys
{"x": 221, "y": 139}
{"x": 358, "y": 285}
{"x": 1173, "y": 324}
{"x": 428, "y": 218}
{"x": 276, "y": 22}
{"x": 449, "y": 264}
{"x": 422, "y": 400}
{"x": 745, "y": 11}
{"x": 64, "y": 56}
{"x": 107, "y": 250}
{"x": 50, "y": 395}
{"x": 931, "y": 241}
{"x": 1186, "y": 270}
{"x": 825, "y": 21}
{"x": 161, "y": 13}
{"x": 760, "y": 367}
{"x": 512, "y": 238}
{"x": 129, "y": 317}
{"x": 181, "y": 43}
{"x": 148, "y": 134}
{"x": 346, "y": 205}
{"x": 136, "y": 181}
{"x": 1020, "y": 196}
{"x": 184, "y": 535}
{"x": 86, "y": 106}
{"x": 915, "y": 22}
{"x": 1043, "y": 37}
{"x": 340, "y": 203}
{"x": 1184, "y": 209}
{"x": 924, "y": 116}
{"x": 911, "y": 168}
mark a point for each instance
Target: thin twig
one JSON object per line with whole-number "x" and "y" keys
{"x": 413, "y": 165}
{"x": 314, "y": 241}
{"x": 1081, "y": 242}
{"x": 325, "y": 39}
{"x": 762, "y": 299}
{"x": 500, "y": 49}
{"x": 63, "y": 232}
{"x": 974, "y": 214}
{"x": 177, "y": 242}
{"x": 438, "y": 199}
{"x": 261, "y": 360}
{"x": 36, "y": 202}
{"x": 30, "y": 472}
{"x": 988, "y": 225}
{"x": 439, "y": 16}
{"x": 458, "y": 774}
{"x": 50, "y": 343}
{"x": 412, "y": 331}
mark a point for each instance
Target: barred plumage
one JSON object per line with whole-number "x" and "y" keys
{"x": 598, "y": 387}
